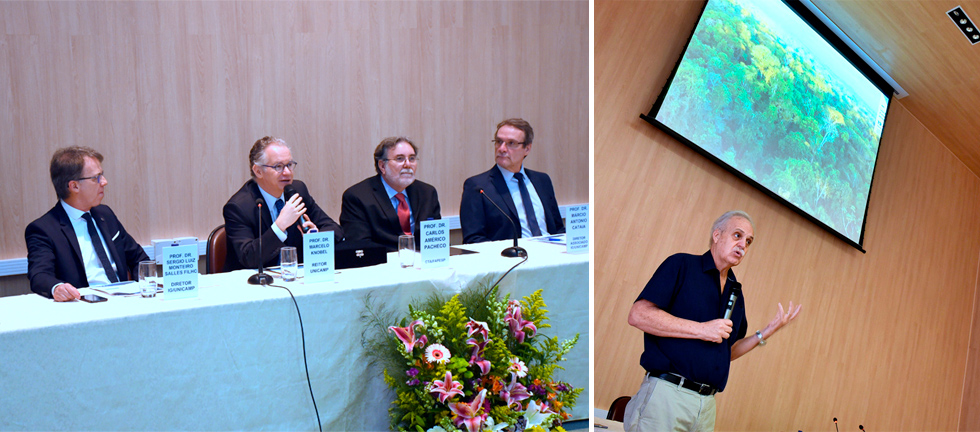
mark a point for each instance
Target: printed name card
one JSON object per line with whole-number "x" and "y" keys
{"x": 180, "y": 272}
{"x": 577, "y": 233}
{"x": 318, "y": 257}
{"x": 435, "y": 243}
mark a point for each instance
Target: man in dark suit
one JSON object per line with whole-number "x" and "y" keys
{"x": 79, "y": 242}
{"x": 392, "y": 203}
{"x": 527, "y": 196}
{"x": 271, "y": 164}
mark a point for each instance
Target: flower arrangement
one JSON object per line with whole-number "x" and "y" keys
{"x": 472, "y": 362}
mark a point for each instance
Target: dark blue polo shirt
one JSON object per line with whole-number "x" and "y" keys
{"x": 686, "y": 286}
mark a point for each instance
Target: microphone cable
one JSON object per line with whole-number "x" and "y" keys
{"x": 504, "y": 275}
{"x": 305, "y": 364}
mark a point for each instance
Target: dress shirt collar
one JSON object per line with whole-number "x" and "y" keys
{"x": 73, "y": 213}
{"x": 390, "y": 190}
{"x": 508, "y": 176}
{"x": 270, "y": 201}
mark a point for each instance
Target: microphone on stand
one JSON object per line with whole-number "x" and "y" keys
{"x": 835, "y": 424}
{"x": 260, "y": 278}
{"x": 513, "y": 251}
{"x": 736, "y": 290}
{"x": 861, "y": 427}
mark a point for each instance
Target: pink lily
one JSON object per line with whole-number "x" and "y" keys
{"x": 517, "y": 323}
{"x": 468, "y": 413}
{"x": 446, "y": 388}
{"x": 407, "y": 335}
{"x": 475, "y": 326}
{"x": 515, "y": 392}
{"x": 477, "y": 356}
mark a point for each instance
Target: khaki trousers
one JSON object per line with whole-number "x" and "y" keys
{"x": 660, "y": 406}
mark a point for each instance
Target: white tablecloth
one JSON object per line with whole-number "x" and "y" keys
{"x": 232, "y": 359}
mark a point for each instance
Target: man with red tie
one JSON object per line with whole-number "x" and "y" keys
{"x": 392, "y": 203}
{"x": 79, "y": 242}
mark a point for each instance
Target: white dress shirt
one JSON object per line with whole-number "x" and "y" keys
{"x": 93, "y": 267}
{"x": 515, "y": 194}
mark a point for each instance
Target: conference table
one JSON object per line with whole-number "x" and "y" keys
{"x": 232, "y": 358}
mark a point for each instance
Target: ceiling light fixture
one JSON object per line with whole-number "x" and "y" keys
{"x": 962, "y": 20}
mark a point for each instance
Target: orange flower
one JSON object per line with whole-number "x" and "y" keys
{"x": 497, "y": 387}
{"x": 537, "y": 381}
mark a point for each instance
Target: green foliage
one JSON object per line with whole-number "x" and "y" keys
{"x": 452, "y": 318}
{"x": 534, "y": 310}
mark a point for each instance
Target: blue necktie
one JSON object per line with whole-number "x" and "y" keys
{"x": 528, "y": 207}
{"x": 99, "y": 250}
{"x": 279, "y": 205}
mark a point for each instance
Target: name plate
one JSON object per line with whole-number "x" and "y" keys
{"x": 435, "y": 244}
{"x": 318, "y": 257}
{"x": 180, "y": 272}
{"x": 577, "y": 231}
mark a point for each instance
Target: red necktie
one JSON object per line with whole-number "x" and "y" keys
{"x": 403, "y": 214}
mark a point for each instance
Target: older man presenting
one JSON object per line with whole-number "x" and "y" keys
{"x": 690, "y": 338}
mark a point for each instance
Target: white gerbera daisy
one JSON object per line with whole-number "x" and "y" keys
{"x": 436, "y": 353}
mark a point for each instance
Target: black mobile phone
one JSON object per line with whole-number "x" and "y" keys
{"x": 92, "y": 298}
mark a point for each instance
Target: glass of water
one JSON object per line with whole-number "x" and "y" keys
{"x": 147, "y": 278}
{"x": 406, "y": 250}
{"x": 288, "y": 263}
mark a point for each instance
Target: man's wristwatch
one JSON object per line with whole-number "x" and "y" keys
{"x": 762, "y": 340}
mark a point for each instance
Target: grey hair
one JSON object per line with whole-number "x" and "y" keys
{"x": 722, "y": 221}
{"x": 256, "y": 156}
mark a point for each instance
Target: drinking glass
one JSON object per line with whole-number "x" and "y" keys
{"x": 288, "y": 263}
{"x": 147, "y": 278}
{"x": 406, "y": 250}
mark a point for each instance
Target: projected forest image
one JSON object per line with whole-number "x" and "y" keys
{"x": 802, "y": 124}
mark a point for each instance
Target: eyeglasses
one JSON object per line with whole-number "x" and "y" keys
{"x": 98, "y": 177}
{"x": 280, "y": 166}
{"x": 513, "y": 145}
{"x": 400, "y": 159}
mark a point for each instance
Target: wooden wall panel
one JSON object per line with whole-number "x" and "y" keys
{"x": 175, "y": 93}
{"x": 883, "y": 337}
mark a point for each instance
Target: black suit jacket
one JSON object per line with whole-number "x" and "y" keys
{"x": 53, "y": 254}
{"x": 242, "y": 224}
{"x": 482, "y": 222}
{"x": 367, "y": 213}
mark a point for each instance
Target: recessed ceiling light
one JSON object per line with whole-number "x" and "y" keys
{"x": 962, "y": 20}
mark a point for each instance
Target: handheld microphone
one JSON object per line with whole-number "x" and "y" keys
{"x": 288, "y": 193}
{"x": 260, "y": 278}
{"x": 513, "y": 251}
{"x": 736, "y": 290}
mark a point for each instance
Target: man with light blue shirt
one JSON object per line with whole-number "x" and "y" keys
{"x": 527, "y": 196}
{"x": 288, "y": 210}
{"x": 392, "y": 203}
{"x": 78, "y": 243}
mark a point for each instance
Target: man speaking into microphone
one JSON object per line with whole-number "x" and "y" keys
{"x": 287, "y": 210}
{"x": 688, "y": 341}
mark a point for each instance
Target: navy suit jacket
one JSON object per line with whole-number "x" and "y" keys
{"x": 482, "y": 222}
{"x": 367, "y": 213}
{"x": 242, "y": 226}
{"x": 53, "y": 254}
